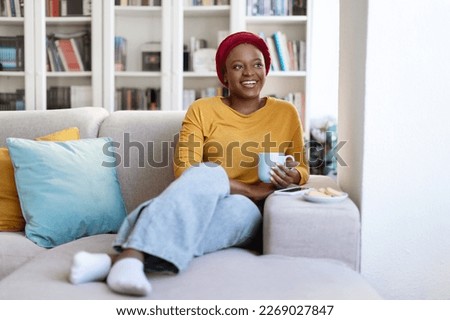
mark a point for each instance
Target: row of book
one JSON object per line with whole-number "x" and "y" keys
{"x": 11, "y": 8}
{"x": 151, "y": 3}
{"x": 12, "y": 101}
{"x": 298, "y": 100}
{"x": 12, "y": 53}
{"x": 69, "y": 97}
{"x": 137, "y": 99}
{"x": 68, "y": 8}
{"x": 69, "y": 52}
{"x": 276, "y": 7}
{"x": 287, "y": 55}
{"x": 190, "y": 3}
{"x": 190, "y": 95}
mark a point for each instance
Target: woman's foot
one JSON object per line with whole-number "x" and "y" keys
{"x": 127, "y": 276}
{"x": 88, "y": 267}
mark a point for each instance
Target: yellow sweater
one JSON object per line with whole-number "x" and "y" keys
{"x": 214, "y": 132}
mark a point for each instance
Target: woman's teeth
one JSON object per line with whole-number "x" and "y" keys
{"x": 248, "y": 83}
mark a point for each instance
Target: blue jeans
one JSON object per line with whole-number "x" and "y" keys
{"x": 195, "y": 215}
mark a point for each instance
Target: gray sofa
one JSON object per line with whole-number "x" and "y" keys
{"x": 310, "y": 250}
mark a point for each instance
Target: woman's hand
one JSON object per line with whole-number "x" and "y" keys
{"x": 282, "y": 176}
{"x": 255, "y": 192}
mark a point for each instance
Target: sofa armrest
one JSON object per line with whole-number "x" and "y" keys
{"x": 295, "y": 227}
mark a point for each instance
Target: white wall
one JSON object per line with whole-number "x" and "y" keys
{"x": 324, "y": 66}
{"x": 394, "y": 110}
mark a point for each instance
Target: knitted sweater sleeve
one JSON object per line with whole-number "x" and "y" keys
{"x": 189, "y": 149}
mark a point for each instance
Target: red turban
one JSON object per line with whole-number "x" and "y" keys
{"x": 234, "y": 40}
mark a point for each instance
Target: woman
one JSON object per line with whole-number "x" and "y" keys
{"x": 214, "y": 202}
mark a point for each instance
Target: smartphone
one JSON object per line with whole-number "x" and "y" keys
{"x": 291, "y": 191}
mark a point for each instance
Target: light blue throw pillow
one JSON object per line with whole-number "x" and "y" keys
{"x": 65, "y": 190}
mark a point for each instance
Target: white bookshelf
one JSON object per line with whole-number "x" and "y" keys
{"x": 176, "y": 23}
{"x": 204, "y": 22}
{"x": 200, "y": 22}
{"x": 45, "y": 79}
{"x": 296, "y": 27}
{"x": 10, "y": 81}
{"x": 138, "y": 25}
{"x": 172, "y": 24}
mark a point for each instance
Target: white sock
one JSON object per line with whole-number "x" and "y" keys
{"x": 127, "y": 276}
{"x": 88, "y": 267}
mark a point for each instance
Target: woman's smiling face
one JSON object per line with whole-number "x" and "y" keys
{"x": 245, "y": 71}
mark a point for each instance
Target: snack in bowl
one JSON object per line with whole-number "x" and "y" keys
{"x": 327, "y": 194}
{"x": 333, "y": 192}
{"x": 318, "y": 193}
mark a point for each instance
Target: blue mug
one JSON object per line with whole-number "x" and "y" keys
{"x": 267, "y": 160}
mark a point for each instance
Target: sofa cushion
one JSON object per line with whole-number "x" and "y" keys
{"x": 68, "y": 134}
{"x": 145, "y": 148}
{"x": 322, "y": 230}
{"x": 66, "y": 191}
{"x": 11, "y": 218}
{"x": 35, "y": 123}
{"x": 15, "y": 250}
{"x": 228, "y": 274}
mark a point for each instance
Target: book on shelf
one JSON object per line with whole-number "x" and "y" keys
{"x": 18, "y": 6}
{"x": 203, "y": 3}
{"x": 69, "y": 51}
{"x": 20, "y": 99}
{"x": 12, "y": 101}
{"x": 298, "y": 100}
{"x": 11, "y": 8}
{"x": 144, "y": 3}
{"x": 299, "y": 7}
{"x": 77, "y": 51}
{"x": 79, "y": 7}
{"x": 69, "y": 97}
{"x": 58, "y": 98}
{"x": 83, "y": 42}
{"x": 120, "y": 53}
{"x": 190, "y": 3}
{"x": 276, "y": 7}
{"x": 287, "y": 55}
{"x": 302, "y": 55}
{"x": 291, "y": 51}
{"x": 275, "y": 64}
{"x": 65, "y": 8}
{"x": 53, "y": 8}
{"x": 69, "y": 55}
{"x": 188, "y": 98}
{"x": 12, "y": 53}
{"x": 54, "y": 62}
{"x": 7, "y": 101}
{"x": 129, "y": 98}
{"x": 190, "y": 95}
{"x": 152, "y": 99}
{"x": 213, "y": 92}
{"x": 278, "y": 38}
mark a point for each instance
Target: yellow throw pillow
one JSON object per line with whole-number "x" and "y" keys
{"x": 11, "y": 218}
{"x": 63, "y": 135}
